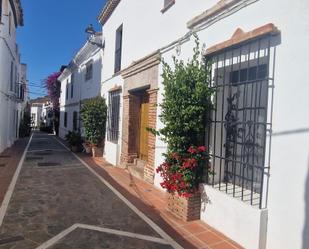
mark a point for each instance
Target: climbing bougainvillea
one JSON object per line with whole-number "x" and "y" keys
{"x": 53, "y": 88}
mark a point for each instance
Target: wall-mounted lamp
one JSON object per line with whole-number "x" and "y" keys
{"x": 91, "y": 35}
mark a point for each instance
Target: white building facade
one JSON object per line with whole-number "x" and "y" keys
{"x": 12, "y": 73}
{"x": 259, "y": 196}
{"x": 41, "y": 112}
{"x": 79, "y": 81}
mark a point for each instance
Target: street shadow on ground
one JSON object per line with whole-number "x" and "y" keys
{"x": 148, "y": 209}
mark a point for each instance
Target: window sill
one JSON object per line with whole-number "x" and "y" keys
{"x": 167, "y": 6}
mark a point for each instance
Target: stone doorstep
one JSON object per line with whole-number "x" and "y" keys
{"x": 140, "y": 163}
{"x": 137, "y": 168}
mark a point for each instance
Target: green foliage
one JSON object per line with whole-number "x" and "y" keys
{"x": 187, "y": 101}
{"x": 25, "y": 125}
{"x": 94, "y": 114}
{"x": 73, "y": 138}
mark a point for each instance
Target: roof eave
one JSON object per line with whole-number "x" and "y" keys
{"x": 107, "y": 11}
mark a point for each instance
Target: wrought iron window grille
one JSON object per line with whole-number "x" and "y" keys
{"x": 113, "y": 116}
{"x": 239, "y": 134}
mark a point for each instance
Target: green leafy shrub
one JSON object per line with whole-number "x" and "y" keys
{"x": 185, "y": 114}
{"x": 186, "y": 103}
{"x": 94, "y": 114}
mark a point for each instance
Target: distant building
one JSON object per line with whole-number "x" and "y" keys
{"x": 13, "y": 77}
{"x": 41, "y": 112}
{"x": 79, "y": 81}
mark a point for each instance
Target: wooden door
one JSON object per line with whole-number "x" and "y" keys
{"x": 143, "y": 138}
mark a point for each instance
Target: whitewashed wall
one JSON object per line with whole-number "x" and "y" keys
{"x": 82, "y": 89}
{"x": 112, "y": 150}
{"x": 146, "y": 29}
{"x": 8, "y": 105}
{"x": 37, "y": 111}
{"x": 141, "y": 36}
{"x": 289, "y": 174}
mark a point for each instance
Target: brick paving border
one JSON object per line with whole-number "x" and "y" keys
{"x": 9, "y": 160}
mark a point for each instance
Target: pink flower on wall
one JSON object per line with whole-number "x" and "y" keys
{"x": 53, "y": 88}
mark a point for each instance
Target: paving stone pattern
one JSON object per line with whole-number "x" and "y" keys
{"x": 96, "y": 240}
{"x": 50, "y": 199}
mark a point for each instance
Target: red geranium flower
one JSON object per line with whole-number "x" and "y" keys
{"x": 202, "y": 148}
{"x": 192, "y": 150}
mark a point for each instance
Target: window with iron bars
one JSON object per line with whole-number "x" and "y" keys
{"x": 89, "y": 70}
{"x": 238, "y": 140}
{"x": 65, "y": 120}
{"x": 75, "y": 119}
{"x": 0, "y": 10}
{"x": 113, "y": 115}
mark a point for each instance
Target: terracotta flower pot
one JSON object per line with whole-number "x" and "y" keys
{"x": 186, "y": 209}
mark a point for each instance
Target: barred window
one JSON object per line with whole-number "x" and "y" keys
{"x": 67, "y": 90}
{"x": 89, "y": 71}
{"x": 0, "y": 10}
{"x": 242, "y": 79}
{"x": 75, "y": 118}
{"x": 12, "y": 77}
{"x": 113, "y": 115}
{"x": 65, "y": 120}
{"x": 10, "y": 23}
{"x": 72, "y": 85}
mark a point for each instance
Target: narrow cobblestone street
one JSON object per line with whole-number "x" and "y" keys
{"x": 56, "y": 195}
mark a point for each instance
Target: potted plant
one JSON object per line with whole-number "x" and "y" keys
{"x": 185, "y": 113}
{"x": 94, "y": 114}
{"x": 74, "y": 139}
{"x": 181, "y": 174}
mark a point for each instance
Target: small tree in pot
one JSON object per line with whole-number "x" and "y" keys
{"x": 94, "y": 114}
{"x": 185, "y": 114}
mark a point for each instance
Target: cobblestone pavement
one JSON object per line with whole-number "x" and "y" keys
{"x": 54, "y": 191}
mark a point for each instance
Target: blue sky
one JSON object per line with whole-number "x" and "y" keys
{"x": 54, "y": 31}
